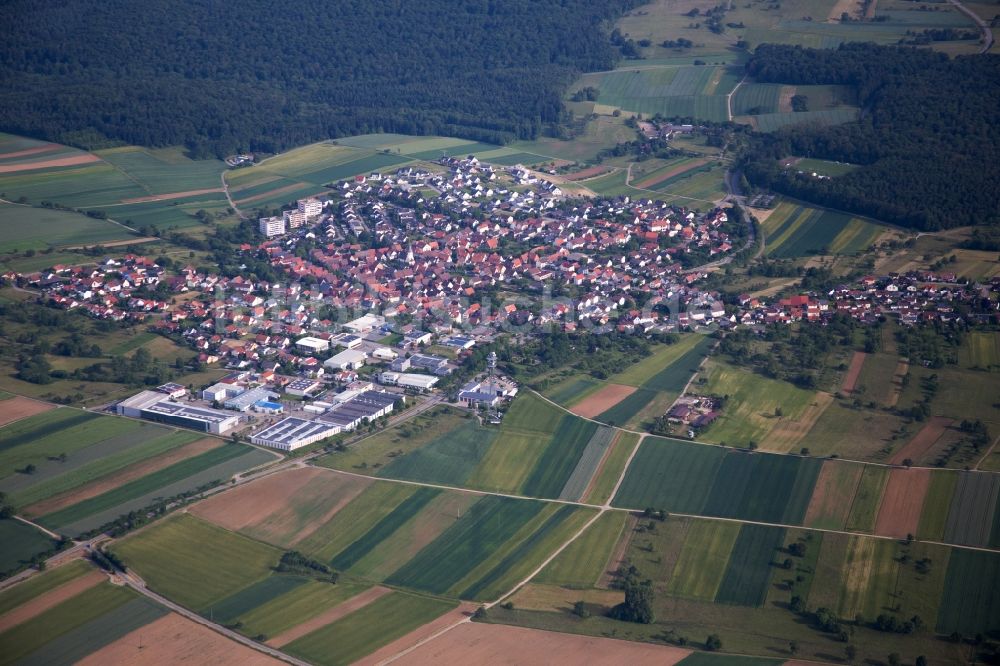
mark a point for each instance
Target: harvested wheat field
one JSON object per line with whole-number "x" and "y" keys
{"x": 830, "y": 503}
{"x": 601, "y": 401}
{"x": 357, "y": 602}
{"x": 172, "y": 195}
{"x": 50, "y": 599}
{"x": 121, "y": 477}
{"x": 922, "y": 442}
{"x": 853, "y": 372}
{"x": 45, "y": 164}
{"x": 285, "y": 507}
{"x": 474, "y": 643}
{"x": 411, "y": 639}
{"x": 902, "y": 502}
{"x": 17, "y": 408}
{"x": 174, "y": 639}
{"x": 785, "y": 436}
{"x": 30, "y": 151}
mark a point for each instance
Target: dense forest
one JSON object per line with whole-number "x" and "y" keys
{"x": 928, "y": 139}
{"x": 264, "y": 76}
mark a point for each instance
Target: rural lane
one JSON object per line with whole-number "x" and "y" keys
{"x": 135, "y": 583}
{"x": 983, "y": 27}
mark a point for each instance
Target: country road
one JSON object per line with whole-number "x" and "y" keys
{"x": 983, "y": 27}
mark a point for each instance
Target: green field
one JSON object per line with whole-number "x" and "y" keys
{"x": 795, "y": 231}
{"x": 77, "y": 626}
{"x": 449, "y": 457}
{"x": 560, "y": 457}
{"x": 970, "y": 516}
{"x": 573, "y": 389}
{"x": 217, "y": 464}
{"x": 670, "y": 475}
{"x": 748, "y": 574}
{"x": 937, "y": 502}
{"x": 756, "y": 98}
{"x": 226, "y": 610}
{"x": 384, "y": 528}
{"x": 97, "y": 461}
{"x": 34, "y": 439}
{"x": 981, "y": 350}
{"x": 21, "y": 542}
{"x": 614, "y": 467}
{"x": 29, "y": 228}
{"x": 763, "y": 487}
{"x": 703, "y": 560}
{"x": 685, "y": 91}
{"x": 587, "y": 464}
{"x": 166, "y": 553}
{"x": 527, "y": 431}
{"x": 867, "y": 499}
{"x": 119, "y": 175}
{"x": 970, "y": 604}
{"x": 364, "y": 631}
{"x": 354, "y": 520}
{"x": 824, "y": 167}
{"x": 868, "y": 580}
{"x": 300, "y": 604}
{"x": 36, "y": 585}
{"x": 749, "y": 412}
{"x": 585, "y": 560}
{"x": 470, "y": 541}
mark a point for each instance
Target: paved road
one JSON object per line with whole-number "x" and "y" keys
{"x": 134, "y": 582}
{"x": 983, "y": 26}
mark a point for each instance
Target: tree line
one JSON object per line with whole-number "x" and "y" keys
{"x": 264, "y": 76}
{"x": 928, "y": 140}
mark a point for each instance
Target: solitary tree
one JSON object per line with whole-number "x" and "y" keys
{"x": 713, "y": 642}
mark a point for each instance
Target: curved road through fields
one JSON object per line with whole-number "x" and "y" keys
{"x": 983, "y": 27}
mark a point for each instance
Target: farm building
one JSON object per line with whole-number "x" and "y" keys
{"x": 408, "y": 380}
{"x": 247, "y": 399}
{"x": 312, "y": 345}
{"x": 293, "y": 433}
{"x": 155, "y": 406}
{"x": 349, "y": 359}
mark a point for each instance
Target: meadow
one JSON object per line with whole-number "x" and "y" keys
{"x": 166, "y": 553}
{"x": 30, "y": 228}
{"x": 21, "y": 542}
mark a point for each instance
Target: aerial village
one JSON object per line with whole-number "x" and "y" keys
{"x": 391, "y": 279}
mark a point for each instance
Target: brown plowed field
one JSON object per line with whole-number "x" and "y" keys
{"x": 830, "y": 503}
{"x": 603, "y": 400}
{"x": 30, "y": 151}
{"x": 121, "y": 477}
{"x": 421, "y": 633}
{"x": 45, "y": 164}
{"x": 922, "y": 442}
{"x": 676, "y": 171}
{"x": 174, "y": 639}
{"x": 474, "y": 643}
{"x": 356, "y": 602}
{"x": 902, "y": 502}
{"x": 50, "y": 599}
{"x": 851, "y": 378}
{"x": 282, "y": 508}
{"x": 16, "y": 408}
{"x": 172, "y": 195}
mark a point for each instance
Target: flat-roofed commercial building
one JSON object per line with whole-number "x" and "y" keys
{"x": 293, "y": 433}
{"x": 154, "y": 406}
